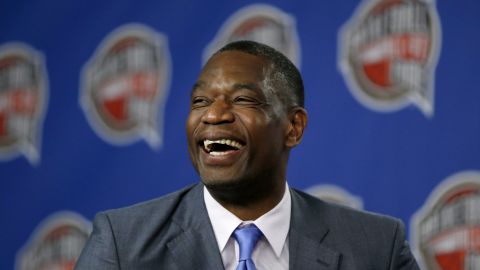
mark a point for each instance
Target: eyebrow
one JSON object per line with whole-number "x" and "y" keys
{"x": 197, "y": 85}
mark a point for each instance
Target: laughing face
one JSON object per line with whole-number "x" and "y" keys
{"x": 236, "y": 131}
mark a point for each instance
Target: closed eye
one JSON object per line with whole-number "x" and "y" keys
{"x": 244, "y": 100}
{"x": 199, "y": 101}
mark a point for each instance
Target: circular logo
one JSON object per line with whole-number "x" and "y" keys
{"x": 446, "y": 231}
{"x": 389, "y": 52}
{"x": 125, "y": 83}
{"x": 56, "y": 244}
{"x": 261, "y": 23}
{"x": 23, "y": 98}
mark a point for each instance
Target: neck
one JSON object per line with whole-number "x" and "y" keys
{"x": 249, "y": 206}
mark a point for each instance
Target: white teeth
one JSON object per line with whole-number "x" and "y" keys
{"x": 208, "y": 145}
{"x": 217, "y": 153}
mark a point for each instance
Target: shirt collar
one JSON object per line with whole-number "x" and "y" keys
{"x": 274, "y": 224}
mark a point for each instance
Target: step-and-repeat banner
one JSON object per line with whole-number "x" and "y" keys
{"x": 94, "y": 97}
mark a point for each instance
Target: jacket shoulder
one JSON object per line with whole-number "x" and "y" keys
{"x": 334, "y": 213}
{"x": 373, "y": 240}
{"x": 159, "y": 207}
{"x": 135, "y": 237}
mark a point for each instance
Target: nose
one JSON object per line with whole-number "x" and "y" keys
{"x": 219, "y": 112}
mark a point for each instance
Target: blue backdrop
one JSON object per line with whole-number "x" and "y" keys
{"x": 391, "y": 159}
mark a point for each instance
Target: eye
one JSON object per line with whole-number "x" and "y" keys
{"x": 245, "y": 100}
{"x": 199, "y": 101}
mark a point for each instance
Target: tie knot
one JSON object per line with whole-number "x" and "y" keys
{"x": 247, "y": 237}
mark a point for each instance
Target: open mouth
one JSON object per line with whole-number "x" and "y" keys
{"x": 221, "y": 147}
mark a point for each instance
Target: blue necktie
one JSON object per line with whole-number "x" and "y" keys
{"x": 247, "y": 237}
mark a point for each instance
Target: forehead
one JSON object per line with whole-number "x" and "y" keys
{"x": 233, "y": 67}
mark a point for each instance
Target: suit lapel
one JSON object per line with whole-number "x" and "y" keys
{"x": 307, "y": 233}
{"x": 195, "y": 246}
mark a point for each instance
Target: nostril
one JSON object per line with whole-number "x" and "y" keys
{"x": 218, "y": 114}
{"x": 217, "y": 119}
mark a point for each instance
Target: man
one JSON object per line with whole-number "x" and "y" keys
{"x": 247, "y": 113}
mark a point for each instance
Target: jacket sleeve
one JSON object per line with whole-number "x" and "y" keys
{"x": 100, "y": 251}
{"x": 402, "y": 258}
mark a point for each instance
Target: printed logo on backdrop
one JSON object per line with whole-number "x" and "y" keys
{"x": 335, "y": 194}
{"x": 262, "y": 23}
{"x": 388, "y": 54}
{"x": 23, "y": 99}
{"x": 446, "y": 230}
{"x": 125, "y": 86}
{"x": 55, "y": 244}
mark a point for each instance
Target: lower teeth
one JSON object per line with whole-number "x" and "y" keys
{"x": 217, "y": 153}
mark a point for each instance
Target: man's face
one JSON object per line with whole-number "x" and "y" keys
{"x": 235, "y": 133}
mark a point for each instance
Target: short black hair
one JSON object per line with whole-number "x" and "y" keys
{"x": 289, "y": 74}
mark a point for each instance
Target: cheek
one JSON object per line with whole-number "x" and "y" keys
{"x": 190, "y": 125}
{"x": 191, "y": 143}
{"x": 256, "y": 117}
{"x": 255, "y": 124}
{"x": 262, "y": 129}
{"x": 270, "y": 133}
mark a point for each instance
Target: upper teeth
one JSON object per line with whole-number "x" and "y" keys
{"x": 232, "y": 143}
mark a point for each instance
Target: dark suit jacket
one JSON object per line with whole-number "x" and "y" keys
{"x": 174, "y": 232}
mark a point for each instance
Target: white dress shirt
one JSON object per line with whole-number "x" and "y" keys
{"x": 271, "y": 251}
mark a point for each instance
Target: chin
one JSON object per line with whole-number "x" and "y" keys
{"x": 232, "y": 190}
{"x": 221, "y": 183}
{"x": 228, "y": 186}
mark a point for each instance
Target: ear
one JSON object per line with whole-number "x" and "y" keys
{"x": 297, "y": 122}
